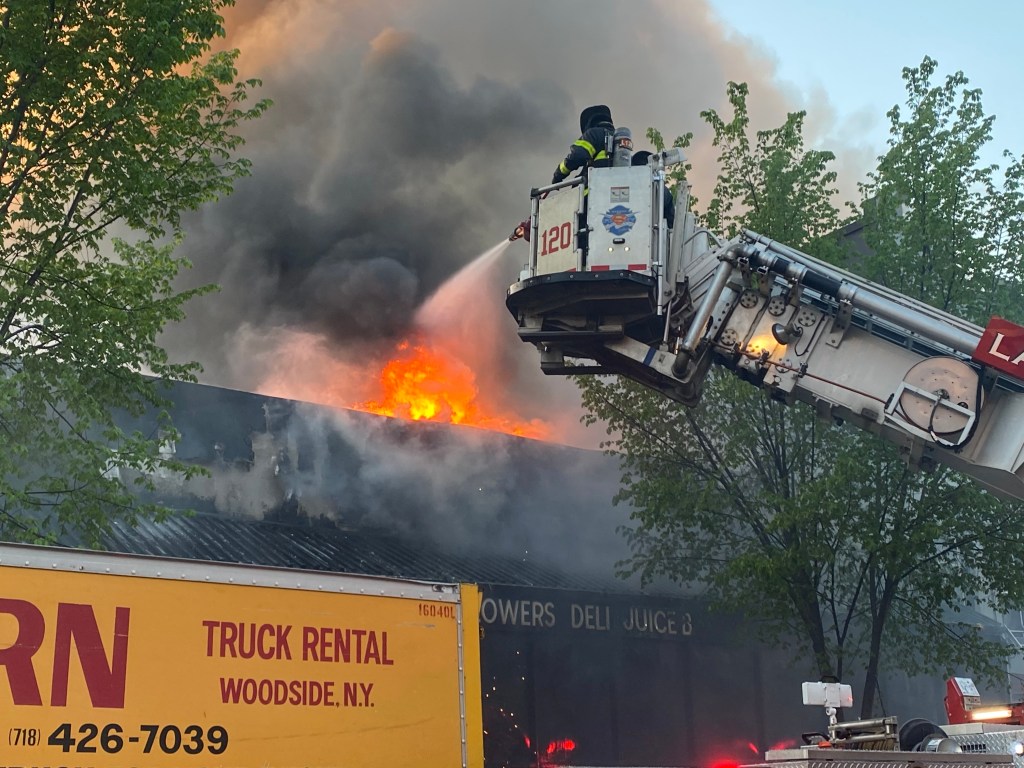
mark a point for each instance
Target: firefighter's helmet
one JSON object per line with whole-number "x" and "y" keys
{"x": 643, "y": 157}
{"x": 595, "y": 115}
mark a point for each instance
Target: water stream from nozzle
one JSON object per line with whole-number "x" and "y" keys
{"x": 463, "y": 290}
{"x": 466, "y": 315}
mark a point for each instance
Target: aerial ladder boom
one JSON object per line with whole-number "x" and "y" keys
{"x": 609, "y": 288}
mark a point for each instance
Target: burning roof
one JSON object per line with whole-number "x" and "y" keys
{"x": 398, "y": 150}
{"x": 466, "y": 493}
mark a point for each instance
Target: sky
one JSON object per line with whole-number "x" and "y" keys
{"x": 406, "y": 134}
{"x": 851, "y": 55}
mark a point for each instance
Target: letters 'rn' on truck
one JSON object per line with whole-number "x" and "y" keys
{"x": 119, "y": 660}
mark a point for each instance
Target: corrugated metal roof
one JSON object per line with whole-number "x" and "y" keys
{"x": 327, "y": 548}
{"x": 297, "y": 485}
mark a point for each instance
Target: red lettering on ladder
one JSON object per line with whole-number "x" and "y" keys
{"x": 1002, "y": 347}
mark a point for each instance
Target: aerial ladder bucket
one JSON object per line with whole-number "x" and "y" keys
{"x": 609, "y": 288}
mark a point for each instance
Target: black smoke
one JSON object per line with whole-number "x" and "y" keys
{"x": 403, "y": 142}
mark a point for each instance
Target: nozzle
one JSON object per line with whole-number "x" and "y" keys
{"x": 522, "y": 230}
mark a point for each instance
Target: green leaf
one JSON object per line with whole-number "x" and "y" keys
{"x": 111, "y": 113}
{"x": 815, "y": 531}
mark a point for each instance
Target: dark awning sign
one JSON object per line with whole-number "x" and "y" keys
{"x": 555, "y": 610}
{"x": 1002, "y": 347}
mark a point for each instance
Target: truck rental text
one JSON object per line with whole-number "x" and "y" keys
{"x": 114, "y": 660}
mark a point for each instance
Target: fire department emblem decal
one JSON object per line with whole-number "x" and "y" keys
{"x": 618, "y": 219}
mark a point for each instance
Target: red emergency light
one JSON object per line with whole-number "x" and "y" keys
{"x": 963, "y": 705}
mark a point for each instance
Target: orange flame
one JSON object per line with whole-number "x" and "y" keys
{"x": 423, "y": 383}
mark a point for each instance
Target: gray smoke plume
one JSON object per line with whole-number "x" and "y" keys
{"x": 403, "y": 142}
{"x": 465, "y": 490}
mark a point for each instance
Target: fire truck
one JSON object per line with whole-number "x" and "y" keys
{"x": 976, "y": 735}
{"x": 610, "y": 288}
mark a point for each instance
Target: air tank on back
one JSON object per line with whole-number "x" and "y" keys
{"x": 622, "y": 147}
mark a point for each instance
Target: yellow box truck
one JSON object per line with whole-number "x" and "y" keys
{"x": 113, "y": 660}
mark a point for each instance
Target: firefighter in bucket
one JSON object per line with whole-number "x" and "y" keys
{"x": 599, "y": 145}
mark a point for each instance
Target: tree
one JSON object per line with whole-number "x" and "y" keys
{"x": 942, "y": 227}
{"x": 113, "y": 113}
{"x": 943, "y": 230}
{"x": 820, "y": 533}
